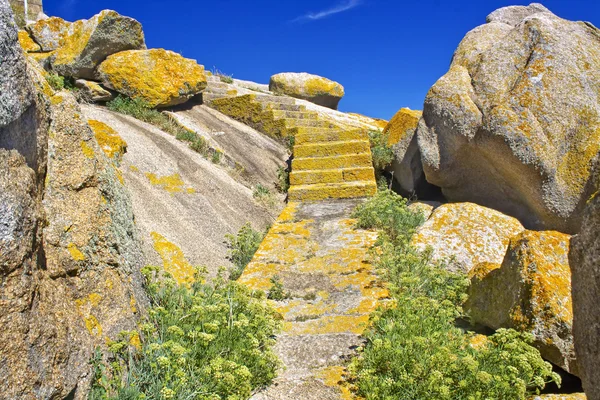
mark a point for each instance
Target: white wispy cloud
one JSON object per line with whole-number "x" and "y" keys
{"x": 338, "y": 8}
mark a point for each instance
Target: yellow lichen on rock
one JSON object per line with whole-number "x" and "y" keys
{"x": 405, "y": 121}
{"x": 50, "y": 33}
{"x": 159, "y": 77}
{"x": 174, "y": 261}
{"x": 172, "y": 183}
{"x": 313, "y": 88}
{"x": 109, "y": 140}
{"x": 75, "y": 252}
{"x": 27, "y": 42}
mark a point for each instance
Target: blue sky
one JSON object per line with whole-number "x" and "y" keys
{"x": 386, "y": 53}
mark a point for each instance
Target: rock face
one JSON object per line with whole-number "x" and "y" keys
{"x": 465, "y": 234}
{"x": 313, "y": 88}
{"x": 530, "y": 291}
{"x": 91, "y": 41}
{"x": 407, "y": 166}
{"x": 69, "y": 254}
{"x": 585, "y": 264}
{"x": 498, "y": 129}
{"x": 160, "y": 77}
{"x": 27, "y": 43}
{"x": 50, "y": 33}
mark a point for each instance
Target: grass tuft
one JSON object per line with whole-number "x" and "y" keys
{"x": 242, "y": 248}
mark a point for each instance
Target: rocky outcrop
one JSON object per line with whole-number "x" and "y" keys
{"x": 27, "y": 43}
{"x": 463, "y": 235}
{"x": 497, "y": 130}
{"x": 50, "y": 33}
{"x": 585, "y": 265}
{"x": 69, "y": 254}
{"x": 530, "y": 291}
{"x": 407, "y": 166}
{"x": 92, "y": 91}
{"x": 160, "y": 77}
{"x": 313, "y": 88}
{"x": 91, "y": 41}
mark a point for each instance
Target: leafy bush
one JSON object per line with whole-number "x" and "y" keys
{"x": 381, "y": 152}
{"x": 55, "y": 81}
{"x": 414, "y": 349}
{"x": 242, "y": 248}
{"x": 283, "y": 176}
{"x": 205, "y": 341}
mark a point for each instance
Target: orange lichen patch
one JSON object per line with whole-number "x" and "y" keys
{"x": 288, "y": 214}
{"x": 73, "y": 45}
{"x": 51, "y": 32}
{"x": 27, "y": 42}
{"x": 159, "y": 77}
{"x": 294, "y": 309}
{"x": 478, "y": 341}
{"x": 87, "y": 150}
{"x": 172, "y": 183}
{"x": 330, "y": 324}
{"x": 174, "y": 261}
{"x": 93, "y": 326}
{"x": 334, "y": 377}
{"x": 119, "y": 176}
{"x": 93, "y": 300}
{"x": 135, "y": 341}
{"x": 380, "y": 123}
{"x": 404, "y": 121}
{"x": 257, "y": 275}
{"x": 109, "y": 140}
{"x": 292, "y": 228}
{"x": 75, "y": 252}
{"x": 481, "y": 270}
{"x": 133, "y": 304}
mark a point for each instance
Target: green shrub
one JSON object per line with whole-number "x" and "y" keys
{"x": 55, "y": 81}
{"x": 414, "y": 349}
{"x": 242, "y": 248}
{"x": 283, "y": 176}
{"x": 277, "y": 292}
{"x": 381, "y": 152}
{"x": 205, "y": 341}
{"x": 216, "y": 157}
{"x": 223, "y": 77}
{"x": 264, "y": 196}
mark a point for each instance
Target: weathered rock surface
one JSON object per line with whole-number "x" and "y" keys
{"x": 407, "y": 166}
{"x": 585, "y": 265}
{"x": 92, "y": 91}
{"x": 51, "y": 33}
{"x": 27, "y": 43}
{"x": 571, "y": 396}
{"x": 313, "y": 88}
{"x": 160, "y": 77}
{"x": 91, "y": 41}
{"x": 466, "y": 234}
{"x": 530, "y": 291}
{"x": 498, "y": 129}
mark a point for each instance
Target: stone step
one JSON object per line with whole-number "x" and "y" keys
{"x": 313, "y": 123}
{"x": 304, "y": 136}
{"x": 229, "y": 91}
{"x": 265, "y": 98}
{"x": 337, "y": 175}
{"x": 208, "y": 97}
{"x": 212, "y": 79}
{"x": 328, "y": 149}
{"x": 325, "y": 191}
{"x": 217, "y": 85}
{"x": 295, "y": 114}
{"x": 333, "y": 162}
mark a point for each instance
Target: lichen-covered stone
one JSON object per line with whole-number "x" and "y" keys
{"x": 584, "y": 258}
{"x": 91, "y": 41}
{"x": 160, "y": 77}
{"x": 27, "y": 43}
{"x": 570, "y": 396}
{"x": 407, "y": 166}
{"x": 496, "y": 129}
{"x": 50, "y": 33}
{"x": 92, "y": 91}
{"x": 109, "y": 140}
{"x": 313, "y": 88}
{"x": 465, "y": 234}
{"x": 531, "y": 292}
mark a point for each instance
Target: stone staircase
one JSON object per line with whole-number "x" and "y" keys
{"x": 329, "y": 161}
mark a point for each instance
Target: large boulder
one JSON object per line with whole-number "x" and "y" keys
{"x": 160, "y": 77}
{"x": 514, "y": 125}
{"x": 91, "y": 41}
{"x": 406, "y": 165}
{"x": 531, "y": 292}
{"x": 313, "y": 88}
{"x": 464, "y": 235}
{"x": 50, "y": 33}
{"x": 585, "y": 265}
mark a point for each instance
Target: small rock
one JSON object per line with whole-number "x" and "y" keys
{"x": 27, "y": 42}
{"x": 313, "y": 88}
{"x": 92, "y": 91}
{"x": 465, "y": 234}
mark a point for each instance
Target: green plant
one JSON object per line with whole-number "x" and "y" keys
{"x": 264, "y": 196}
{"x": 414, "y": 349}
{"x": 242, "y": 248}
{"x": 223, "y": 77}
{"x": 55, "y": 81}
{"x": 277, "y": 292}
{"x": 216, "y": 157}
{"x": 283, "y": 176}
{"x": 381, "y": 152}
{"x": 205, "y": 341}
